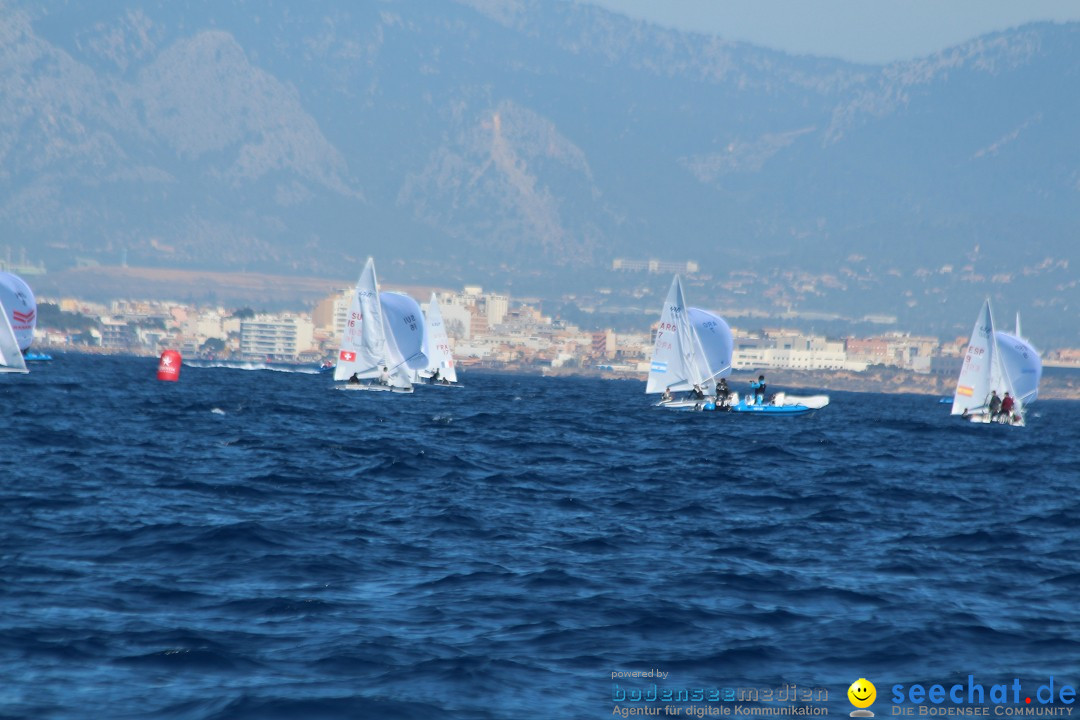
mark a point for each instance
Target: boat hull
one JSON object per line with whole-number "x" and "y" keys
{"x": 681, "y": 404}
{"x": 813, "y": 402}
{"x": 374, "y": 388}
{"x": 781, "y": 410}
{"x": 983, "y": 417}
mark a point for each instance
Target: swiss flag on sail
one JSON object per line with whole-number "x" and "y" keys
{"x": 347, "y": 356}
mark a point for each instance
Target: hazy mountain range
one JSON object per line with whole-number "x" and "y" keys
{"x": 527, "y": 143}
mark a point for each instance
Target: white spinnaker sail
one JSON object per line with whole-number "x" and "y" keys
{"x": 716, "y": 343}
{"x": 11, "y": 357}
{"x": 17, "y": 297}
{"x": 438, "y": 346}
{"x": 974, "y": 384}
{"x": 405, "y": 331}
{"x": 1022, "y": 366}
{"x": 673, "y": 365}
{"x": 363, "y": 343}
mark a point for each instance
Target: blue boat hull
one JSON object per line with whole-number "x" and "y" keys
{"x": 785, "y": 410}
{"x": 771, "y": 409}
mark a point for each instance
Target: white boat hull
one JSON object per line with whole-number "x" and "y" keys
{"x": 983, "y": 417}
{"x": 814, "y": 402}
{"x": 681, "y": 404}
{"x": 374, "y": 387}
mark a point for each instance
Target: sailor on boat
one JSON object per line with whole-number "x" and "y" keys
{"x": 759, "y": 390}
{"x": 666, "y": 397}
{"x": 384, "y": 376}
{"x": 1007, "y": 407}
{"x": 722, "y": 394}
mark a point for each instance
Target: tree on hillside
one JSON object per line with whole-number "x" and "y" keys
{"x": 50, "y": 316}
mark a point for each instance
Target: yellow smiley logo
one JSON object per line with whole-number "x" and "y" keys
{"x": 862, "y": 693}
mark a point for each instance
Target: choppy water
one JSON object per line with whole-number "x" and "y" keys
{"x": 255, "y": 544}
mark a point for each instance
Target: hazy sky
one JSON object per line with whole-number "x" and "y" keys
{"x": 869, "y": 31}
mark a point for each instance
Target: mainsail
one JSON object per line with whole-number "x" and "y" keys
{"x": 363, "y": 342}
{"x": 672, "y": 365}
{"x": 11, "y": 357}
{"x": 693, "y": 347}
{"x": 981, "y": 370}
{"x": 438, "y": 346}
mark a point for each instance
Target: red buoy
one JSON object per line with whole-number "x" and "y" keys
{"x": 169, "y": 366}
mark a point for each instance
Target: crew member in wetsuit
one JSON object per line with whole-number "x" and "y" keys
{"x": 1007, "y": 407}
{"x": 722, "y": 393}
{"x": 759, "y": 390}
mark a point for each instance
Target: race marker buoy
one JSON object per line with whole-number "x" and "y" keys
{"x": 169, "y": 366}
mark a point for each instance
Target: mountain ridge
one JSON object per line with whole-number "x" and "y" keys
{"x": 505, "y": 137}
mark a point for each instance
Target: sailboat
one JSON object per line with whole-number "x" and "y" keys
{"x": 11, "y": 357}
{"x": 996, "y": 361}
{"x": 440, "y": 359}
{"x": 691, "y": 352}
{"x": 383, "y": 341}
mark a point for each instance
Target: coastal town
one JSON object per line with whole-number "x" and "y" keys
{"x": 493, "y": 331}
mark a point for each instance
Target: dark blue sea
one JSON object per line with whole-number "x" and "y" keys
{"x": 257, "y": 544}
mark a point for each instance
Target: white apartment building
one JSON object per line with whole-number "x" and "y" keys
{"x": 332, "y": 312}
{"x": 496, "y": 308}
{"x": 654, "y": 266}
{"x": 203, "y": 325}
{"x": 276, "y": 337}
{"x": 795, "y": 359}
{"x": 793, "y": 351}
{"x": 457, "y": 318}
